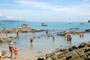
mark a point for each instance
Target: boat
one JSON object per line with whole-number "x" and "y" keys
{"x": 70, "y": 23}
{"x": 89, "y": 21}
{"x": 24, "y": 25}
{"x": 81, "y": 23}
{"x": 43, "y": 24}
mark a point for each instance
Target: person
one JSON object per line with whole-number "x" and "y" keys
{"x": 0, "y": 54}
{"x": 31, "y": 40}
{"x": 16, "y": 52}
{"x": 17, "y": 34}
{"x": 65, "y": 32}
{"x": 46, "y": 31}
{"x": 69, "y": 37}
{"x": 81, "y": 34}
{"x": 53, "y": 37}
{"x": 11, "y": 49}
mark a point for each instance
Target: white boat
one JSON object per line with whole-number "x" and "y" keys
{"x": 43, "y": 24}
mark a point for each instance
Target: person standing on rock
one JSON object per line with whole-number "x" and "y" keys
{"x": 11, "y": 49}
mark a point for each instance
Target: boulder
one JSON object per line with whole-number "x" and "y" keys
{"x": 40, "y": 59}
{"x": 70, "y": 49}
{"x": 87, "y": 30}
{"x": 74, "y": 47}
{"x": 83, "y": 44}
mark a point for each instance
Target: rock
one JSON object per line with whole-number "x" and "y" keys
{"x": 40, "y": 59}
{"x": 1, "y": 41}
{"x": 89, "y": 21}
{"x": 68, "y": 58}
{"x": 4, "y": 52}
{"x": 86, "y": 50}
{"x": 83, "y": 44}
{"x": 70, "y": 49}
{"x": 74, "y": 47}
{"x": 61, "y": 34}
{"x": 82, "y": 52}
{"x": 87, "y": 30}
{"x": 63, "y": 50}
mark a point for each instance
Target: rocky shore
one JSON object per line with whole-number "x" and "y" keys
{"x": 20, "y": 29}
{"x": 7, "y": 39}
{"x": 81, "y": 52}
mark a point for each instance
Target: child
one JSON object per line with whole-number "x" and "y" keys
{"x": 16, "y": 52}
{"x": 31, "y": 40}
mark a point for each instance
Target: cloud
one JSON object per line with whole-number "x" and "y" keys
{"x": 77, "y": 9}
{"x": 41, "y": 5}
{"x": 46, "y": 11}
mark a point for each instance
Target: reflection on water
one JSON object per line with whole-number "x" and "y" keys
{"x": 53, "y": 40}
{"x": 70, "y": 43}
{"x": 31, "y": 46}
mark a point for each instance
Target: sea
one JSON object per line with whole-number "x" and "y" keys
{"x": 42, "y": 44}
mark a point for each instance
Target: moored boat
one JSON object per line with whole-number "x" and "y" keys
{"x": 43, "y": 24}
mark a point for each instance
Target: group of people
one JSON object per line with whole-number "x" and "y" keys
{"x": 13, "y": 50}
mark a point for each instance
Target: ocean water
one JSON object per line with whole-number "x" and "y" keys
{"x": 51, "y": 25}
{"x": 43, "y": 44}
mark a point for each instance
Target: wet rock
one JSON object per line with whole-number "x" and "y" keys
{"x": 87, "y": 30}
{"x": 88, "y": 21}
{"x": 49, "y": 58}
{"x": 63, "y": 50}
{"x": 62, "y": 34}
{"x": 70, "y": 49}
{"x": 74, "y": 47}
{"x": 68, "y": 58}
{"x": 89, "y": 44}
{"x": 72, "y": 53}
{"x": 87, "y": 50}
{"x": 83, "y": 44}
{"x": 1, "y": 41}
{"x": 40, "y": 59}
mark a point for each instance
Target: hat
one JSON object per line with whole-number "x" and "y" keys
{"x": 11, "y": 43}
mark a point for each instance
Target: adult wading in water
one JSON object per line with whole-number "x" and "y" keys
{"x": 11, "y": 49}
{"x": 69, "y": 37}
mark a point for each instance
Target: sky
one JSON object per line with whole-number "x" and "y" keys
{"x": 45, "y": 10}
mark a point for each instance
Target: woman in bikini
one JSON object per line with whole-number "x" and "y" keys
{"x": 11, "y": 49}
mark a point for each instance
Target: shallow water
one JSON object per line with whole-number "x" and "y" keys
{"x": 43, "y": 44}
